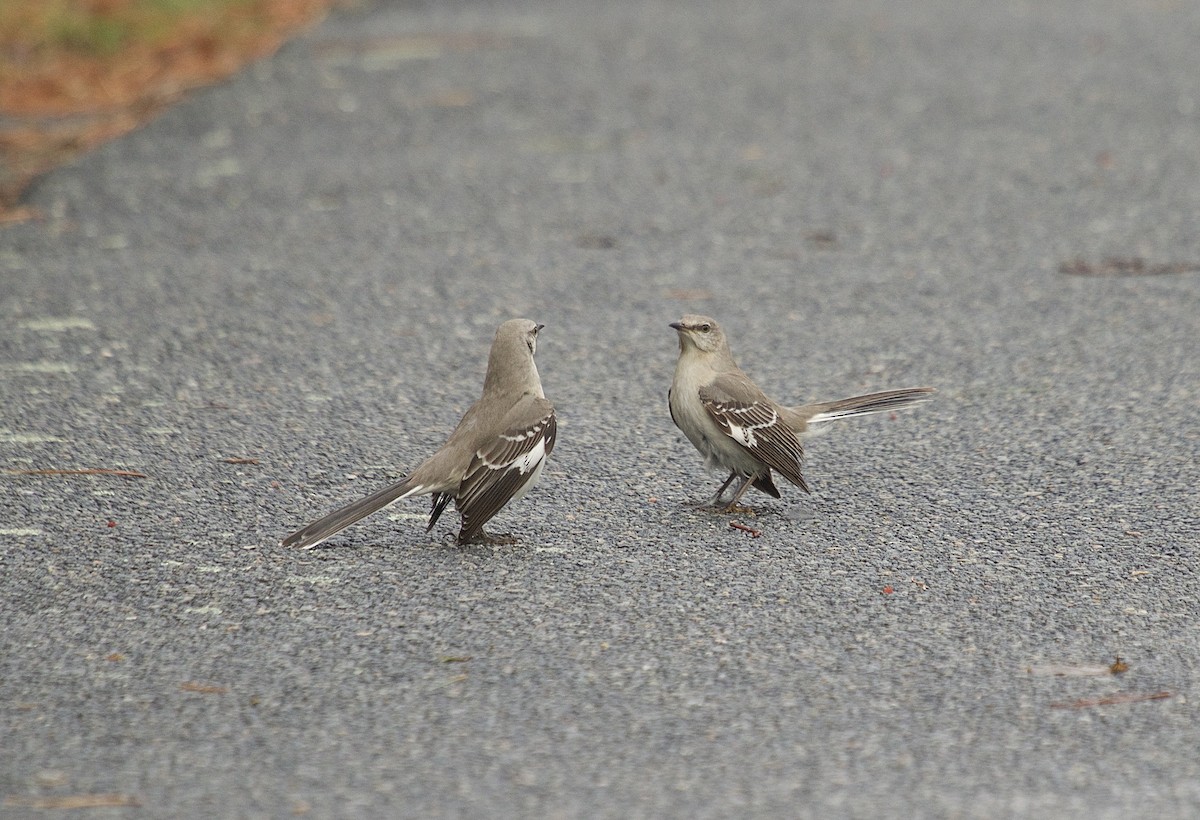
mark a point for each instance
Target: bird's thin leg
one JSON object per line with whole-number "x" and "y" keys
{"x": 715, "y": 501}
{"x": 732, "y": 506}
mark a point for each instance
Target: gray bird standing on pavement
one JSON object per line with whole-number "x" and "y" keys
{"x": 736, "y": 427}
{"x": 495, "y": 454}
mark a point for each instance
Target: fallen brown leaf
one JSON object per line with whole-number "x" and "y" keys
{"x": 737, "y": 525}
{"x": 22, "y": 213}
{"x": 824, "y": 239}
{"x": 1124, "y": 266}
{"x": 88, "y": 471}
{"x": 595, "y": 241}
{"x": 1110, "y": 700}
{"x": 452, "y": 98}
{"x": 1087, "y": 670}
{"x": 75, "y": 801}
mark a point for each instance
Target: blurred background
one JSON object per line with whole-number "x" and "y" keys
{"x": 74, "y": 73}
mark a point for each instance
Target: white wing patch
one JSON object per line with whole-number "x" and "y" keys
{"x": 505, "y": 469}
{"x": 745, "y": 434}
{"x": 758, "y": 427}
{"x": 531, "y": 481}
{"x": 525, "y": 461}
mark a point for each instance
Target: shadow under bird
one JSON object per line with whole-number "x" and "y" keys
{"x": 495, "y": 454}
{"x": 737, "y": 427}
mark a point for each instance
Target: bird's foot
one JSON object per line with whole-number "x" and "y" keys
{"x": 734, "y": 509}
{"x": 483, "y": 538}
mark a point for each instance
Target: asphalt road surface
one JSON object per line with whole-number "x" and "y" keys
{"x": 279, "y": 296}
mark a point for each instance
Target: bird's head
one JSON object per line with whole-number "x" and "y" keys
{"x": 700, "y": 333}
{"x": 511, "y": 369}
{"x": 516, "y": 333}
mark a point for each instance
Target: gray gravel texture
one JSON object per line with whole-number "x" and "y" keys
{"x": 305, "y": 266}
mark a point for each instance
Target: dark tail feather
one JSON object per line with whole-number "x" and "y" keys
{"x": 339, "y": 519}
{"x": 440, "y": 502}
{"x": 864, "y": 405}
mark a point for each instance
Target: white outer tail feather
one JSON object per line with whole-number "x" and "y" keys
{"x": 870, "y": 404}
{"x": 365, "y": 508}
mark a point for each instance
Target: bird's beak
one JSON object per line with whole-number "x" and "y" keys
{"x": 538, "y": 329}
{"x": 676, "y": 325}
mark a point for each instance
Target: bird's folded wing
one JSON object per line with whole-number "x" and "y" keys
{"x": 504, "y": 466}
{"x": 748, "y": 417}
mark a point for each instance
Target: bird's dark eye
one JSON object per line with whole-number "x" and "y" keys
{"x": 705, "y": 328}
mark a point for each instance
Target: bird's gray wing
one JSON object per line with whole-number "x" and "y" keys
{"x": 746, "y": 415}
{"x": 504, "y": 467}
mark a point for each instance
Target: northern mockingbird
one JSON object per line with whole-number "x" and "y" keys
{"x": 495, "y": 454}
{"x": 736, "y": 427}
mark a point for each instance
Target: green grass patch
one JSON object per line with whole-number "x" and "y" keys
{"x": 99, "y": 28}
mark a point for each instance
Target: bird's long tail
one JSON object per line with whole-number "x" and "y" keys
{"x": 824, "y": 411}
{"x": 316, "y": 532}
